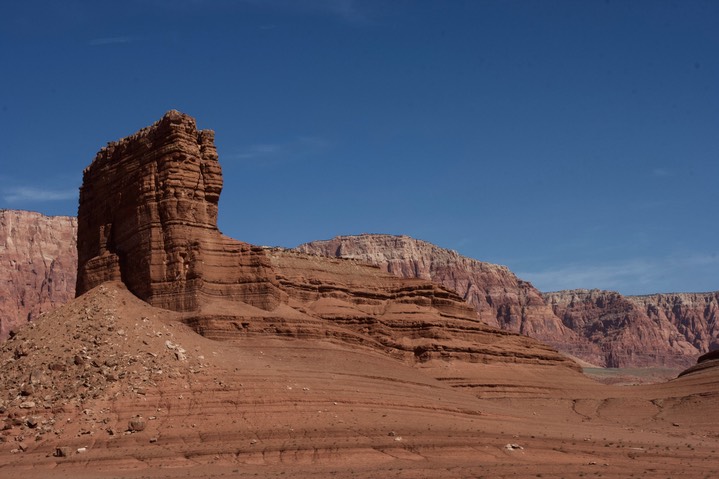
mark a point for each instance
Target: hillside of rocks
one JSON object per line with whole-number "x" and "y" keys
{"x": 669, "y": 330}
{"x": 694, "y": 315}
{"x": 38, "y": 266}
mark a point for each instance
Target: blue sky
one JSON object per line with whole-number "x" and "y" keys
{"x": 576, "y": 142}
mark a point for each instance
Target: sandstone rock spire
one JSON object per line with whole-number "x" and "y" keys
{"x": 148, "y": 217}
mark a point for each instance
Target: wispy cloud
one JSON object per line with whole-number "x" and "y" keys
{"x": 29, "y": 194}
{"x": 348, "y": 10}
{"x": 661, "y": 172}
{"x": 110, "y": 41}
{"x": 605, "y": 276}
{"x": 299, "y": 148}
{"x": 257, "y": 151}
{"x": 635, "y": 276}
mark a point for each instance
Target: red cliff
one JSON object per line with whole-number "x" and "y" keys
{"x": 39, "y": 262}
{"x": 669, "y": 330}
{"x": 148, "y": 217}
{"x": 500, "y": 298}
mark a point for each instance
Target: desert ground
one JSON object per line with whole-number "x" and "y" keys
{"x": 108, "y": 387}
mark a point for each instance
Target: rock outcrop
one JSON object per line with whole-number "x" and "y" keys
{"x": 498, "y": 295}
{"x": 39, "y": 264}
{"x": 669, "y": 330}
{"x": 659, "y": 330}
{"x": 707, "y": 361}
{"x": 694, "y": 315}
{"x": 148, "y": 218}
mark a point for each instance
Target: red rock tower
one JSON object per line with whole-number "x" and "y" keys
{"x": 148, "y": 217}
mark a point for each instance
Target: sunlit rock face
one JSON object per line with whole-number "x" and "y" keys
{"x": 39, "y": 261}
{"x": 148, "y": 217}
{"x": 669, "y": 330}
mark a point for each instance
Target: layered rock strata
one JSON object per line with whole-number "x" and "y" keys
{"x": 694, "y": 315}
{"x": 708, "y": 361}
{"x": 39, "y": 264}
{"x": 601, "y": 327}
{"x": 500, "y": 298}
{"x": 148, "y": 218}
{"x": 669, "y": 330}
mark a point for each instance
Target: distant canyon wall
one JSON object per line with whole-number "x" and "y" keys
{"x": 501, "y": 299}
{"x": 38, "y": 255}
{"x": 601, "y": 327}
{"x": 669, "y": 330}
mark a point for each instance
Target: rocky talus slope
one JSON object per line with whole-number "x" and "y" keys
{"x": 669, "y": 330}
{"x": 498, "y": 295}
{"x": 38, "y": 266}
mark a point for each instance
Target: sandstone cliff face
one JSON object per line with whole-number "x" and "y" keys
{"x": 694, "y": 315}
{"x": 501, "y": 299}
{"x": 148, "y": 218}
{"x": 39, "y": 259}
{"x": 669, "y": 330}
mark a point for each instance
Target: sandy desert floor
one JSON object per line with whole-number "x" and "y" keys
{"x": 109, "y": 387}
